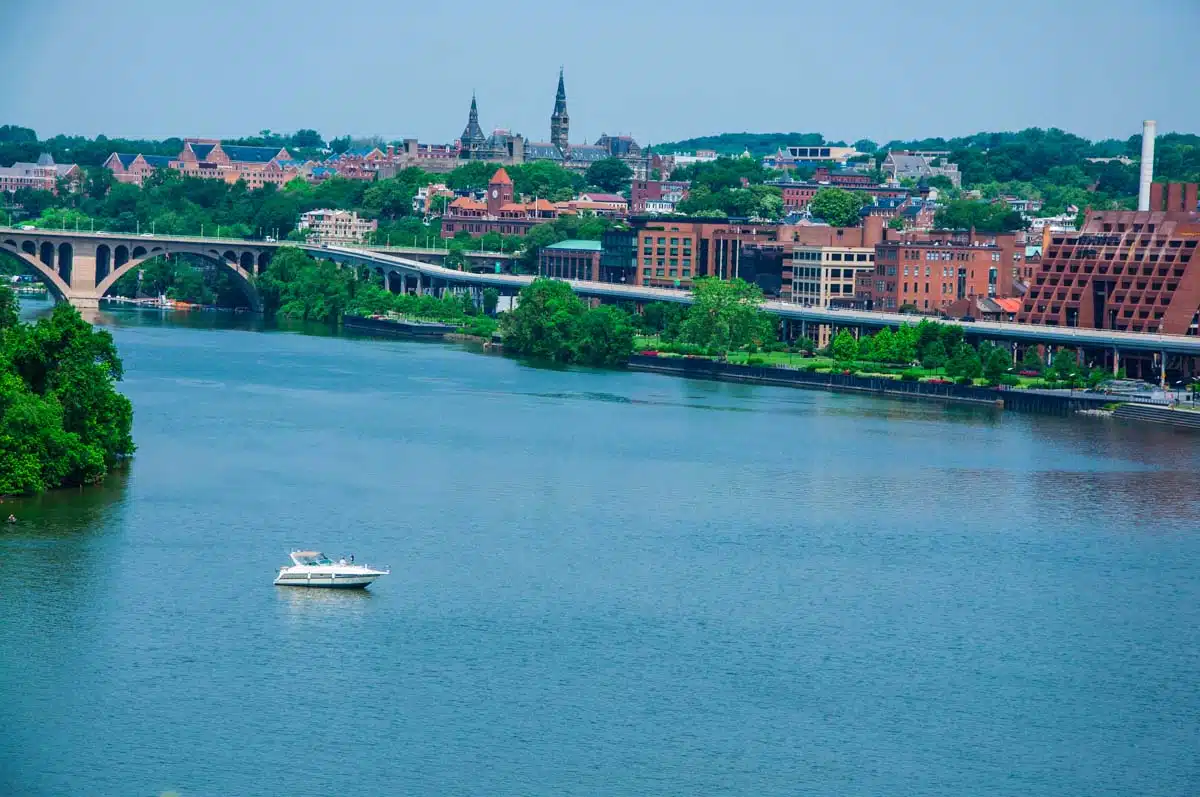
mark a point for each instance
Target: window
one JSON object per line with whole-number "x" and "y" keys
{"x": 836, "y": 257}
{"x": 658, "y": 272}
{"x": 687, "y": 272}
{"x": 674, "y": 272}
{"x": 645, "y": 272}
{"x": 674, "y": 242}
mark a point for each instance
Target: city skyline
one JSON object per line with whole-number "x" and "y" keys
{"x": 932, "y": 77}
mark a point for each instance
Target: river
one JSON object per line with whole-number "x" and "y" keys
{"x": 602, "y": 583}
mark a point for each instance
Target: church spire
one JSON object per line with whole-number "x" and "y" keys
{"x": 560, "y": 122}
{"x": 472, "y": 134}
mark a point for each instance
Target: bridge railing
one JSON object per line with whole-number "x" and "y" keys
{"x": 147, "y": 234}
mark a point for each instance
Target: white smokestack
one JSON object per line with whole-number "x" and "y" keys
{"x": 1149, "y": 128}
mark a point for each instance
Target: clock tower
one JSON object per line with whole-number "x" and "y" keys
{"x": 499, "y": 191}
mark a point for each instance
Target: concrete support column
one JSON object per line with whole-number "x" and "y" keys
{"x": 1116, "y": 361}
{"x": 1162, "y": 370}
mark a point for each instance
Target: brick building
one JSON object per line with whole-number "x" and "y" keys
{"x": 1134, "y": 271}
{"x": 663, "y": 195}
{"x": 933, "y": 273}
{"x": 498, "y": 212}
{"x": 41, "y": 176}
{"x": 798, "y": 193}
{"x": 209, "y": 159}
{"x": 571, "y": 260}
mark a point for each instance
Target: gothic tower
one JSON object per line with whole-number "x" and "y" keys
{"x": 559, "y": 121}
{"x": 472, "y": 135}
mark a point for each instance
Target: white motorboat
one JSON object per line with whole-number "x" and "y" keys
{"x": 315, "y": 569}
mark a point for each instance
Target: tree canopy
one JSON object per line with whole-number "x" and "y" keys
{"x": 837, "y": 206}
{"x": 611, "y": 174}
{"x": 62, "y": 421}
{"x": 726, "y": 314}
{"x": 550, "y": 323}
{"x": 962, "y": 214}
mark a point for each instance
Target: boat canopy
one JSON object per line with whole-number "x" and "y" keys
{"x": 310, "y": 558}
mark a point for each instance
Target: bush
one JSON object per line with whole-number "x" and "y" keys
{"x": 1010, "y": 380}
{"x": 910, "y": 376}
{"x": 755, "y": 361}
{"x": 965, "y": 380}
{"x": 812, "y": 369}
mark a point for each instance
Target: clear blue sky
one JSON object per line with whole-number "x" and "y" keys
{"x": 661, "y": 71}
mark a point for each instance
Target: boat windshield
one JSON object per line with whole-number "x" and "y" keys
{"x": 312, "y": 559}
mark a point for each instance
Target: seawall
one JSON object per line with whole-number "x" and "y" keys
{"x": 405, "y": 329}
{"x": 1016, "y": 400}
{"x": 1147, "y": 413}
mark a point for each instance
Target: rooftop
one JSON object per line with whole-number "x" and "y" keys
{"x": 577, "y": 245}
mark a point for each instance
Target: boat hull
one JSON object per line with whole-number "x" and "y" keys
{"x": 326, "y": 582}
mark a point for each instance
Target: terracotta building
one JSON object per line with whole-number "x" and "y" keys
{"x": 499, "y": 212}
{"x": 1134, "y": 271}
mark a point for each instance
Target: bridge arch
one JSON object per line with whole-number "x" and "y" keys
{"x": 103, "y": 261}
{"x": 394, "y": 281}
{"x": 246, "y": 261}
{"x": 66, "y": 258}
{"x": 27, "y": 253}
{"x": 46, "y": 254}
{"x": 244, "y": 279}
{"x": 264, "y": 260}
{"x": 120, "y": 256}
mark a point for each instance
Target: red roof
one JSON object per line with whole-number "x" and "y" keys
{"x": 1009, "y": 305}
{"x": 501, "y": 176}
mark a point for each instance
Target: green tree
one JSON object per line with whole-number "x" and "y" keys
{"x": 963, "y": 214}
{"x": 473, "y": 175}
{"x": 895, "y": 223}
{"x": 964, "y": 362}
{"x": 725, "y": 314}
{"x": 611, "y": 174}
{"x": 844, "y": 346}
{"x": 1030, "y": 361}
{"x": 837, "y": 207}
{"x": 491, "y": 297}
{"x": 62, "y": 422}
{"x": 542, "y": 325}
{"x": 9, "y": 309}
{"x": 996, "y": 364}
{"x": 1065, "y": 364}
{"x": 603, "y": 337}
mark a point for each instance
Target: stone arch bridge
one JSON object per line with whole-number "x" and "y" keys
{"x": 80, "y": 267}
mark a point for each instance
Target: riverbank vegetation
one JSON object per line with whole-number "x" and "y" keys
{"x": 551, "y": 324}
{"x": 62, "y": 421}
{"x": 923, "y": 351}
{"x": 298, "y": 287}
